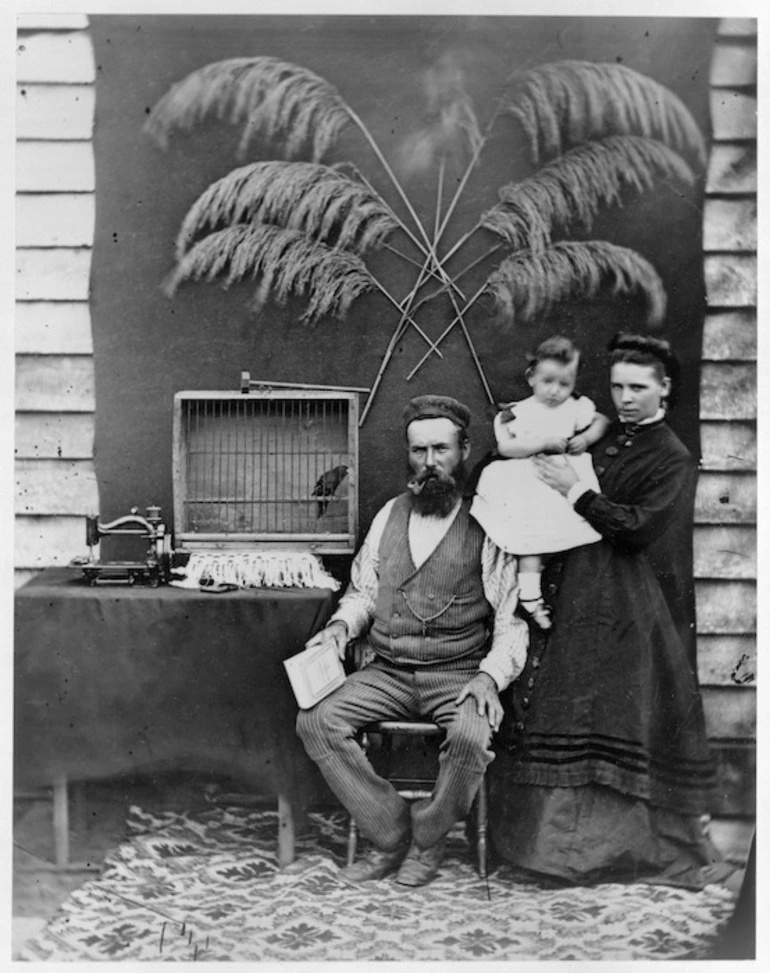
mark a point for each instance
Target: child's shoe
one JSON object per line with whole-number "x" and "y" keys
{"x": 538, "y": 611}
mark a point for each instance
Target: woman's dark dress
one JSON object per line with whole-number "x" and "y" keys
{"x": 603, "y": 766}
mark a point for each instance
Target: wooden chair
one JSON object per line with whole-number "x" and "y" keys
{"x": 417, "y": 788}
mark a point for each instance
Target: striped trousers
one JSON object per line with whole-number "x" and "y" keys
{"x": 382, "y": 691}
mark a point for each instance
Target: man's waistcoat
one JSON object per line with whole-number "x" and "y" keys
{"x": 437, "y": 613}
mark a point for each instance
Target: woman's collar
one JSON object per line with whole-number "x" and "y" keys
{"x": 659, "y": 415}
{"x": 656, "y": 420}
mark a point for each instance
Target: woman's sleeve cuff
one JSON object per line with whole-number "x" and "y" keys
{"x": 576, "y": 491}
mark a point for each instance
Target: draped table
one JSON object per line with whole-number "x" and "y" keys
{"x": 114, "y": 679}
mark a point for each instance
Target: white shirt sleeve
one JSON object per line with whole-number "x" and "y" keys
{"x": 510, "y": 636}
{"x": 356, "y": 607}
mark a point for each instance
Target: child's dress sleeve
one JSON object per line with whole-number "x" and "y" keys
{"x": 585, "y": 413}
{"x": 503, "y": 427}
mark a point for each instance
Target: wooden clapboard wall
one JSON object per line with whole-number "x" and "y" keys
{"x": 54, "y": 469}
{"x": 726, "y": 508}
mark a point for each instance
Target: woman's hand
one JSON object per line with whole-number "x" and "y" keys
{"x": 557, "y": 472}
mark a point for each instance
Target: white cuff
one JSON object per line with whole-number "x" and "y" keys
{"x": 349, "y": 618}
{"x": 576, "y": 491}
{"x": 495, "y": 672}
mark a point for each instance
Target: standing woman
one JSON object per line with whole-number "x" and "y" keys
{"x": 603, "y": 770}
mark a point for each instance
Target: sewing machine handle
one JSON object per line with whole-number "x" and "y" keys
{"x": 124, "y": 525}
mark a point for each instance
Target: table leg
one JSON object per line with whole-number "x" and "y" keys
{"x": 285, "y": 831}
{"x": 61, "y": 823}
{"x": 78, "y": 808}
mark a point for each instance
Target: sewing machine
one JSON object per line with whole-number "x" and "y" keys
{"x": 155, "y": 567}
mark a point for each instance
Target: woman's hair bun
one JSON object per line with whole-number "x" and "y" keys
{"x": 659, "y": 347}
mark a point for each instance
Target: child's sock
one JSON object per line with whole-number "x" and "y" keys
{"x": 529, "y": 586}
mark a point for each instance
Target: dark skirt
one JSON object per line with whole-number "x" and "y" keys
{"x": 591, "y": 834}
{"x": 603, "y": 765}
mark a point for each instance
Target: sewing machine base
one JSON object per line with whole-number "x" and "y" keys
{"x": 117, "y": 572}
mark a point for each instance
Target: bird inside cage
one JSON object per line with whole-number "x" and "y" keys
{"x": 328, "y": 485}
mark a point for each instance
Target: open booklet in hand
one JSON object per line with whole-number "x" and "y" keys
{"x": 314, "y": 673}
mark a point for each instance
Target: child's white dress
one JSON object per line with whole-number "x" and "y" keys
{"x": 520, "y": 513}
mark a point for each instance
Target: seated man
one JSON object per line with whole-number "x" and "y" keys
{"x": 428, "y": 587}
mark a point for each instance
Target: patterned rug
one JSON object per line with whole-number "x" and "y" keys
{"x": 206, "y": 887}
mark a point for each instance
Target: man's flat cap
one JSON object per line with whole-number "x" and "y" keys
{"x": 437, "y": 407}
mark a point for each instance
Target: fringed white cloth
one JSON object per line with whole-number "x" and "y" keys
{"x": 254, "y": 569}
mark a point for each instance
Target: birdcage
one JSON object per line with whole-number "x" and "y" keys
{"x": 266, "y": 468}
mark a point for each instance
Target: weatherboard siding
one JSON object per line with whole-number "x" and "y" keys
{"x": 55, "y": 481}
{"x": 725, "y": 546}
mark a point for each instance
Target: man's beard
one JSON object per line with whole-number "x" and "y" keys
{"x": 435, "y": 493}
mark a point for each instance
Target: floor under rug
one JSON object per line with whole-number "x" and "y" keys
{"x": 206, "y": 886}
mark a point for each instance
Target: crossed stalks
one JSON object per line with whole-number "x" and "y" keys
{"x": 596, "y": 132}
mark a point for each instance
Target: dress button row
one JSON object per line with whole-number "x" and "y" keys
{"x": 612, "y": 450}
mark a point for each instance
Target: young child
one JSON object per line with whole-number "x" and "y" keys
{"x": 520, "y": 513}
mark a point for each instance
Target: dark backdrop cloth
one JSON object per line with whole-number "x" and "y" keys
{"x": 112, "y": 680}
{"x": 147, "y": 346}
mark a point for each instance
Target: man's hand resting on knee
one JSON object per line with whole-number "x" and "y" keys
{"x": 484, "y": 690}
{"x": 336, "y": 632}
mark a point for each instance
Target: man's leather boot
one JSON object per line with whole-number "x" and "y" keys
{"x": 375, "y": 864}
{"x": 421, "y": 864}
